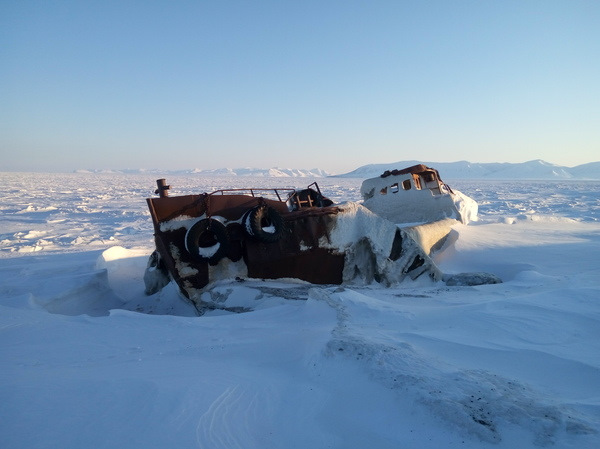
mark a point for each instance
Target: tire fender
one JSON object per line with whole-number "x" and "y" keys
{"x": 263, "y": 223}
{"x": 207, "y": 240}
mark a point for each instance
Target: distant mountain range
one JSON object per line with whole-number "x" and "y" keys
{"x": 271, "y": 172}
{"x": 536, "y": 169}
{"x": 264, "y": 172}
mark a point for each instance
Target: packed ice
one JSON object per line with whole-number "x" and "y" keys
{"x": 89, "y": 359}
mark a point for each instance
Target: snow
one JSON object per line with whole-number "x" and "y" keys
{"x": 89, "y": 360}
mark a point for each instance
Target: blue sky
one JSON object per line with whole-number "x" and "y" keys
{"x": 301, "y": 84}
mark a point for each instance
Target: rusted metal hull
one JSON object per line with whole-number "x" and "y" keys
{"x": 296, "y": 254}
{"x": 228, "y": 234}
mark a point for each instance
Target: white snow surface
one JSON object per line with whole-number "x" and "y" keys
{"x": 88, "y": 360}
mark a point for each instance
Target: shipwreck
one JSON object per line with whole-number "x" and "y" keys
{"x": 302, "y": 234}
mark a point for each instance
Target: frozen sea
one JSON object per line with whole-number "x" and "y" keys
{"x": 89, "y": 360}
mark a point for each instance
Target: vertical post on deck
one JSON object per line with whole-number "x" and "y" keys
{"x": 163, "y": 188}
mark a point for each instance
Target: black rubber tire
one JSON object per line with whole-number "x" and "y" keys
{"x": 204, "y": 234}
{"x": 258, "y": 219}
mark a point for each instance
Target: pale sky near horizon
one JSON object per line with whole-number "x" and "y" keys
{"x": 298, "y": 84}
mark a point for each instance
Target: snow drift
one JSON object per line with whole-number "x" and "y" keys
{"x": 88, "y": 357}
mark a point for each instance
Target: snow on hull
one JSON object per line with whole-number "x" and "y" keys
{"x": 370, "y": 248}
{"x": 301, "y": 236}
{"x": 414, "y": 195}
{"x": 434, "y": 237}
{"x": 375, "y": 249}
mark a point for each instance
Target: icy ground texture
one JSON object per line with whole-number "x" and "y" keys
{"x": 421, "y": 365}
{"x": 78, "y": 211}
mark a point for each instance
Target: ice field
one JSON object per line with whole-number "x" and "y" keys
{"x": 90, "y": 361}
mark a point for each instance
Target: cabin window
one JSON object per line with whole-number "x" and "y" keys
{"x": 394, "y": 188}
{"x": 406, "y": 185}
{"x": 417, "y": 182}
{"x": 383, "y": 191}
{"x": 429, "y": 181}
